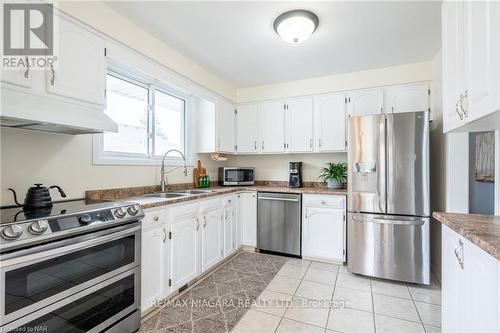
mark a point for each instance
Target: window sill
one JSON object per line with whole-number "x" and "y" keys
{"x": 115, "y": 160}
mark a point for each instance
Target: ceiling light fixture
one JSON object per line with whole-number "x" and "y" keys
{"x": 295, "y": 26}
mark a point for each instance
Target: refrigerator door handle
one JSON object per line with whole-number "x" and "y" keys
{"x": 388, "y": 221}
{"x": 381, "y": 175}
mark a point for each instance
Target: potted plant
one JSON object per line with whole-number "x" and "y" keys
{"x": 334, "y": 174}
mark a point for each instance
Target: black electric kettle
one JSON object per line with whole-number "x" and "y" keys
{"x": 37, "y": 197}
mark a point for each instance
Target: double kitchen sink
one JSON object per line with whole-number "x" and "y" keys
{"x": 177, "y": 194}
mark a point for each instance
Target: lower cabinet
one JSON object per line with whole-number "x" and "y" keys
{"x": 247, "y": 218}
{"x": 155, "y": 260}
{"x": 323, "y": 228}
{"x": 184, "y": 255}
{"x": 212, "y": 239}
{"x": 470, "y": 286}
{"x": 229, "y": 231}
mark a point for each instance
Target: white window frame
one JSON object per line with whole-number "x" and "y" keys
{"x": 173, "y": 159}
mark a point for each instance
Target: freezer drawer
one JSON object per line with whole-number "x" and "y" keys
{"x": 390, "y": 247}
{"x": 278, "y": 222}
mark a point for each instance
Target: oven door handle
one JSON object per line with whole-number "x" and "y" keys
{"x": 60, "y": 248}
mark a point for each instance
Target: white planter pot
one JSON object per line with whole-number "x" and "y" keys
{"x": 334, "y": 184}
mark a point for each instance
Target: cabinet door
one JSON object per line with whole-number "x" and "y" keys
{"x": 482, "y": 58}
{"x": 330, "y": 121}
{"x": 453, "y": 63}
{"x": 225, "y": 126}
{"x": 365, "y": 102}
{"x": 408, "y": 98}
{"x": 247, "y": 128}
{"x": 272, "y": 127}
{"x": 212, "y": 238}
{"x": 80, "y": 71}
{"x": 154, "y": 267}
{"x": 323, "y": 233}
{"x": 247, "y": 216}
{"x": 184, "y": 252}
{"x": 229, "y": 231}
{"x": 299, "y": 123}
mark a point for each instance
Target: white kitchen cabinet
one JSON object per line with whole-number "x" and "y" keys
{"x": 22, "y": 75}
{"x": 330, "y": 122}
{"x": 247, "y": 218}
{"x": 212, "y": 238}
{"x": 323, "y": 229}
{"x": 365, "y": 102}
{"x": 272, "y": 127}
{"x": 299, "y": 124}
{"x": 80, "y": 71}
{"x": 229, "y": 231}
{"x": 408, "y": 98}
{"x": 154, "y": 267}
{"x": 184, "y": 253}
{"x": 470, "y": 286}
{"x": 225, "y": 126}
{"x": 247, "y": 128}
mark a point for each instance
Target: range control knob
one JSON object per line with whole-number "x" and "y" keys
{"x": 38, "y": 227}
{"x": 85, "y": 219}
{"x": 12, "y": 232}
{"x": 119, "y": 212}
{"x": 132, "y": 210}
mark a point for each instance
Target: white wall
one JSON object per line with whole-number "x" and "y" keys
{"x": 354, "y": 80}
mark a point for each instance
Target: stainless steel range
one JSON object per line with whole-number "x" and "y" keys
{"x": 73, "y": 267}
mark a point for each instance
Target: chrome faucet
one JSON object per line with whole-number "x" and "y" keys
{"x": 163, "y": 173}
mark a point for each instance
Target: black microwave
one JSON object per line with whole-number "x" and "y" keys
{"x": 231, "y": 176}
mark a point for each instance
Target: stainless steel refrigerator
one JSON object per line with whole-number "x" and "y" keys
{"x": 388, "y": 196}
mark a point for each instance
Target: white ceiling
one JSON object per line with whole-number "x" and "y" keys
{"x": 236, "y": 41}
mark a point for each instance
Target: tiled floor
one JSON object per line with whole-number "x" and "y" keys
{"x": 260, "y": 293}
{"x": 315, "y": 297}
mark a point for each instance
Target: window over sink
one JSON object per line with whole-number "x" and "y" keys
{"x": 151, "y": 120}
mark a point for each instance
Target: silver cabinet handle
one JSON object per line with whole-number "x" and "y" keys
{"x": 459, "y": 253}
{"x": 197, "y": 225}
{"x": 461, "y": 116}
{"x": 53, "y": 79}
{"x": 164, "y": 235}
{"x": 204, "y": 221}
{"x": 310, "y": 143}
{"x": 27, "y": 72}
{"x": 218, "y": 143}
{"x": 319, "y": 143}
{"x": 262, "y": 145}
{"x": 463, "y": 99}
{"x": 306, "y": 214}
{"x": 255, "y": 145}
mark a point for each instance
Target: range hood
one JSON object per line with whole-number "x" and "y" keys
{"x": 20, "y": 110}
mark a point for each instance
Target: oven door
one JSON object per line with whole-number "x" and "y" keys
{"x": 36, "y": 277}
{"x": 91, "y": 310}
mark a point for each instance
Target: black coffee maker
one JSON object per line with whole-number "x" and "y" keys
{"x": 295, "y": 179}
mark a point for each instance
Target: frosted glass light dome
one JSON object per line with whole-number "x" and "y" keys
{"x": 296, "y": 26}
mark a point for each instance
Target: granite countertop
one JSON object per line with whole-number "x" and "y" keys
{"x": 481, "y": 230}
{"x": 135, "y": 194}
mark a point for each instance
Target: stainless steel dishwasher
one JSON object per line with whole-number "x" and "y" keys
{"x": 278, "y": 223}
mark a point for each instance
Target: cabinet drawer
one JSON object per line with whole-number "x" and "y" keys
{"x": 183, "y": 210}
{"x": 334, "y": 201}
{"x": 210, "y": 204}
{"x": 154, "y": 218}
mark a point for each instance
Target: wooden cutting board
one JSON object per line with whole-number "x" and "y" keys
{"x": 198, "y": 172}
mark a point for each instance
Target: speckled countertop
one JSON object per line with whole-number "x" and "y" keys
{"x": 135, "y": 193}
{"x": 481, "y": 230}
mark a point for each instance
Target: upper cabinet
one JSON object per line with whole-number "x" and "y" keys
{"x": 80, "y": 71}
{"x": 272, "y": 127}
{"x": 471, "y": 63}
{"x": 299, "y": 125}
{"x": 330, "y": 122}
{"x": 247, "y": 128}
{"x": 216, "y": 126}
{"x": 365, "y": 102}
{"x": 225, "y": 126}
{"x": 408, "y": 98}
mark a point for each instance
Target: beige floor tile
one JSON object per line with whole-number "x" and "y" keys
{"x": 256, "y": 321}
{"x": 272, "y": 302}
{"x": 283, "y": 284}
{"x": 307, "y": 311}
{"x": 432, "y": 329}
{"x": 320, "y": 275}
{"x": 390, "y": 288}
{"x": 348, "y": 280}
{"x": 293, "y": 270}
{"x": 314, "y": 290}
{"x": 301, "y": 262}
{"x": 426, "y": 294}
{"x": 385, "y": 324}
{"x": 353, "y": 298}
{"x": 429, "y": 313}
{"x": 324, "y": 266}
{"x": 350, "y": 321}
{"x": 292, "y": 326}
{"x": 395, "y": 307}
